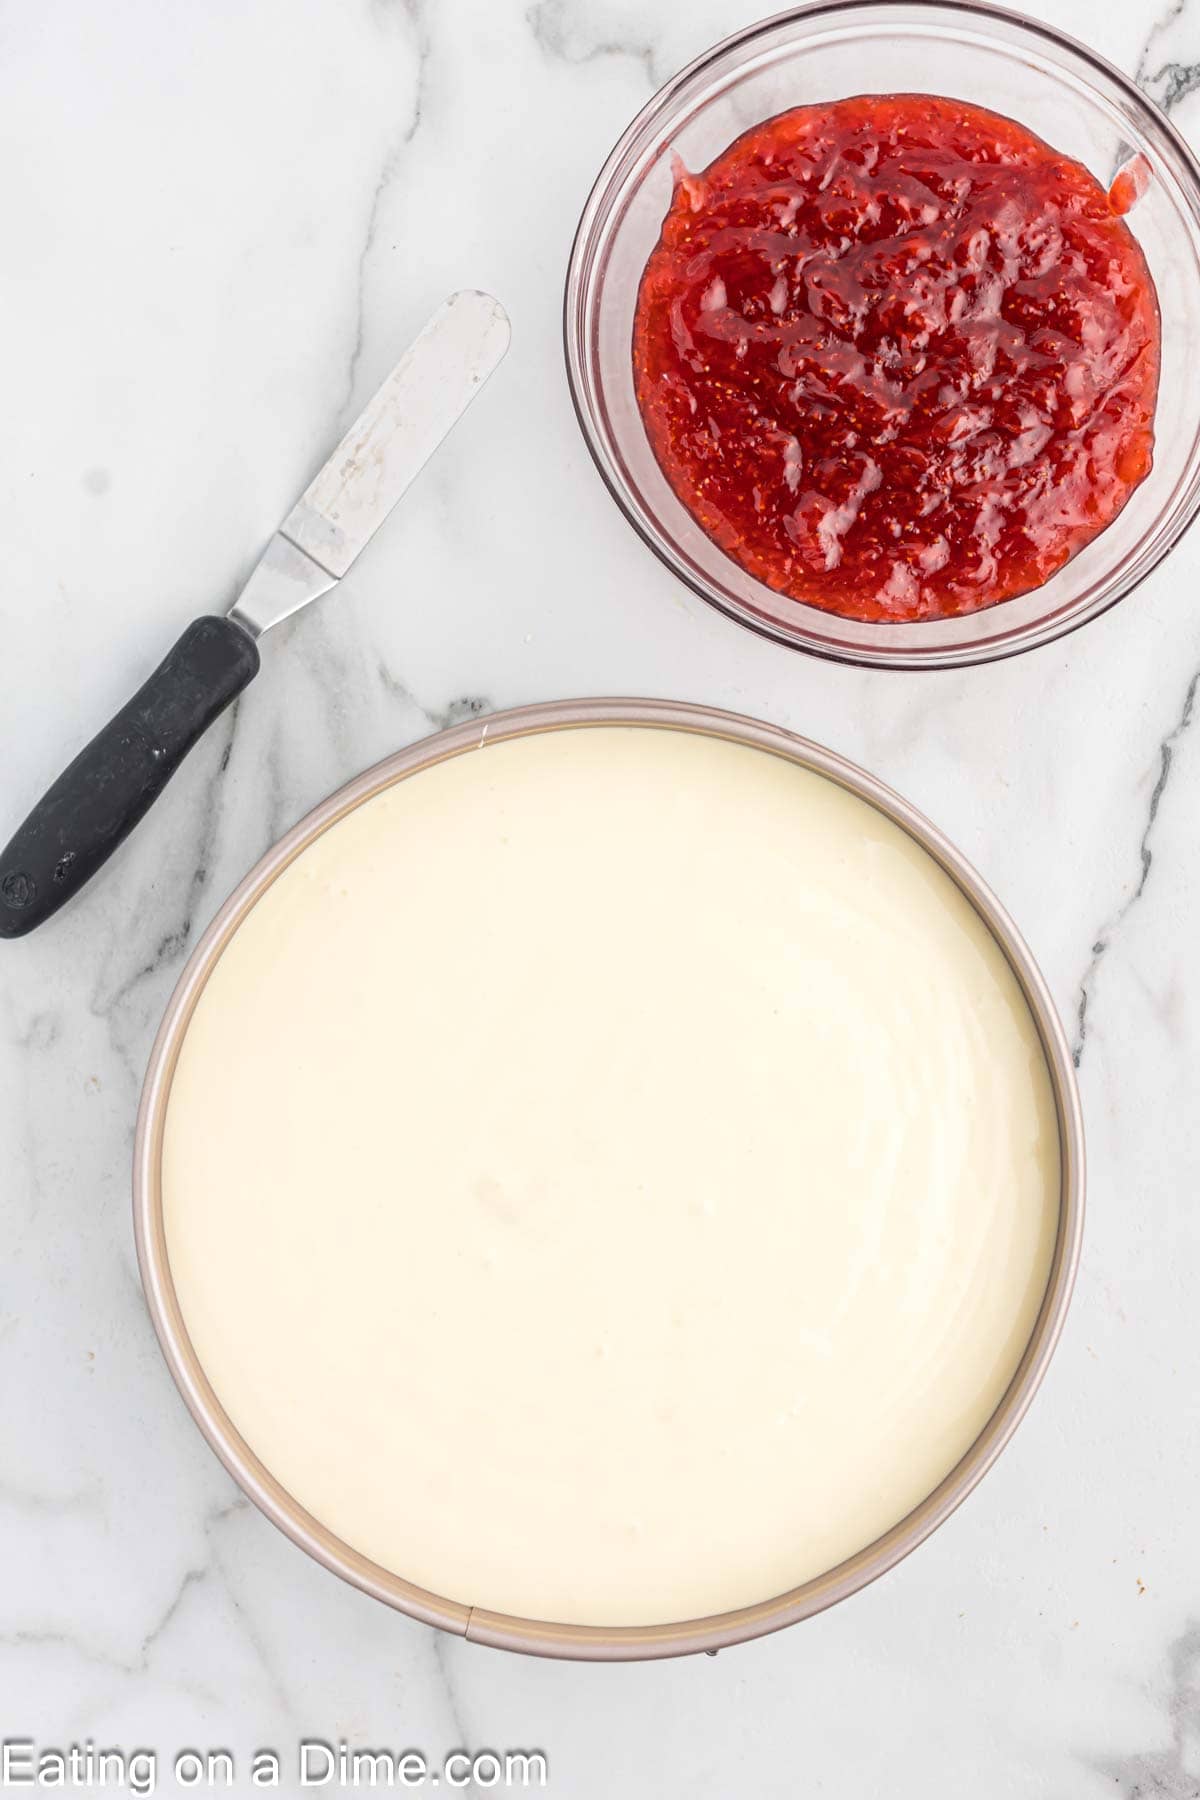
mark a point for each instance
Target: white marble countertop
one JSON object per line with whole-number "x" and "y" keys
{"x": 221, "y": 224}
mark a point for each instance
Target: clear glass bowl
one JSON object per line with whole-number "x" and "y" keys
{"x": 1074, "y": 100}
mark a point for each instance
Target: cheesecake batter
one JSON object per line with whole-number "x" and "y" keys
{"x": 611, "y": 1176}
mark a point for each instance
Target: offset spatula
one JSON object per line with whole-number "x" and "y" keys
{"x": 100, "y": 797}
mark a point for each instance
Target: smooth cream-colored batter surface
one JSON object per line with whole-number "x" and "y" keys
{"x": 611, "y": 1176}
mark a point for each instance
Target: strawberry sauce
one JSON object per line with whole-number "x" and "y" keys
{"x": 897, "y": 356}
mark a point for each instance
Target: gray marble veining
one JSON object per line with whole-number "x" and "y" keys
{"x": 227, "y": 221}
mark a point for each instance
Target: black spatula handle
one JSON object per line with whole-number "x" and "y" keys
{"x": 99, "y": 798}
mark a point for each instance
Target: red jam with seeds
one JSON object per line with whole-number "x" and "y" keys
{"x": 897, "y": 357}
